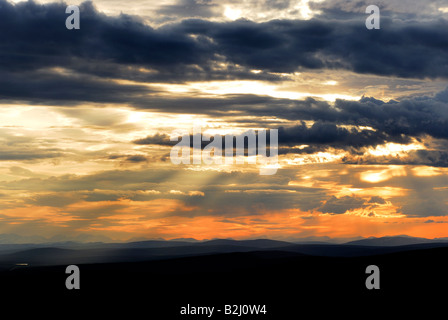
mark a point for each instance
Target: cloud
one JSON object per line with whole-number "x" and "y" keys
{"x": 60, "y": 199}
{"x": 53, "y": 88}
{"x": 432, "y": 221}
{"x": 287, "y": 46}
{"x": 434, "y": 158}
{"x": 353, "y": 126}
{"x": 377, "y": 200}
{"x": 225, "y": 193}
{"x": 122, "y": 47}
{"x": 23, "y": 172}
{"x": 159, "y": 139}
{"x": 341, "y": 205}
{"x": 320, "y": 135}
{"x": 113, "y": 38}
{"x": 330, "y": 134}
{"x": 6, "y": 155}
{"x": 136, "y": 158}
{"x": 398, "y": 9}
{"x": 188, "y": 8}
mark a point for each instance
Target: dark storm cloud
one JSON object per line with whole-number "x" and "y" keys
{"x": 42, "y": 62}
{"x": 340, "y": 205}
{"x": 377, "y": 199}
{"x": 117, "y": 47}
{"x": 435, "y": 158}
{"x": 164, "y": 140}
{"x": 136, "y": 158}
{"x": 338, "y": 137}
{"x": 38, "y": 39}
{"x": 159, "y": 139}
{"x": 414, "y": 116}
{"x": 399, "y": 49}
{"x": 393, "y": 121}
{"x": 319, "y": 135}
{"x": 130, "y": 158}
{"x": 106, "y": 47}
{"x": 244, "y": 104}
{"x": 43, "y": 87}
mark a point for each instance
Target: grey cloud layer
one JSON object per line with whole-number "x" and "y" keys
{"x": 230, "y": 194}
{"x": 393, "y": 121}
{"x": 252, "y": 193}
{"x": 116, "y": 47}
{"x": 400, "y": 9}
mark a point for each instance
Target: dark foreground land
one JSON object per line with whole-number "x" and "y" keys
{"x": 290, "y": 284}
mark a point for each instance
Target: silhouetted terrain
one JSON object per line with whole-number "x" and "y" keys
{"x": 67, "y": 253}
{"x": 290, "y": 279}
{"x": 393, "y": 241}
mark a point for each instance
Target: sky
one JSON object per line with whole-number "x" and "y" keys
{"x": 86, "y": 118}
